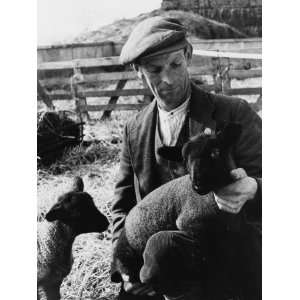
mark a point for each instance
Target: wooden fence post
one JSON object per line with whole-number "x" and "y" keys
{"x": 44, "y": 96}
{"x": 217, "y": 74}
{"x": 257, "y": 106}
{"x": 113, "y": 99}
{"x": 222, "y": 80}
{"x": 226, "y": 80}
{"x": 80, "y": 101}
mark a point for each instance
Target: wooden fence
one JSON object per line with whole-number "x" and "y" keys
{"x": 80, "y": 79}
{"x": 102, "y": 49}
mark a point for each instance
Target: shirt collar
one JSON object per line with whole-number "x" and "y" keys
{"x": 181, "y": 109}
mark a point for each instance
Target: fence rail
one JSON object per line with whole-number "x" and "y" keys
{"x": 63, "y": 95}
{"x": 65, "y": 52}
{"x": 130, "y": 75}
{"x": 79, "y": 79}
{"x": 224, "y": 54}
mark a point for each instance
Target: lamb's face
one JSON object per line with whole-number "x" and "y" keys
{"x": 206, "y": 157}
{"x": 206, "y": 162}
{"x": 203, "y": 160}
{"x": 78, "y": 210}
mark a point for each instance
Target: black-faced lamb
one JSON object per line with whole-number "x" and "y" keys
{"x": 208, "y": 157}
{"x": 73, "y": 214}
{"x": 184, "y": 203}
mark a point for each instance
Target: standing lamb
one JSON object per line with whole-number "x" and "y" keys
{"x": 73, "y": 214}
{"x": 184, "y": 203}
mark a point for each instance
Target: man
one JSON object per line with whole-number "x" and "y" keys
{"x": 159, "y": 52}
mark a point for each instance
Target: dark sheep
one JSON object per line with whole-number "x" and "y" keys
{"x": 208, "y": 157}
{"x": 184, "y": 204}
{"x": 73, "y": 214}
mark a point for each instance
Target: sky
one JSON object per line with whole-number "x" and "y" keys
{"x": 58, "y": 20}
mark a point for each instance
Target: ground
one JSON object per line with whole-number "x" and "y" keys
{"x": 98, "y": 164}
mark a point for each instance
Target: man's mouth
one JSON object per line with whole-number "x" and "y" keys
{"x": 169, "y": 90}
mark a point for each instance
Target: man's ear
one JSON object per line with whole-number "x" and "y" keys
{"x": 137, "y": 68}
{"x": 188, "y": 53}
{"x": 138, "y": 71}
{"x": 171, "y": 153}
{"x": 229, "y": 135}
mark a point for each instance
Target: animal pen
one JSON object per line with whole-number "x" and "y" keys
{"x": 79, "y": 72}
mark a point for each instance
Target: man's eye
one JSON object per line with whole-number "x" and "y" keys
{"x": 154, "y": 70}
{"x": 175, "y": 65}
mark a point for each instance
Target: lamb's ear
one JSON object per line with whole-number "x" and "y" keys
{"x": 229, "y": 135}
{"x": 171, "y": 153}
{"x": 57, "y": 212}
{"x": 77, "y": 185}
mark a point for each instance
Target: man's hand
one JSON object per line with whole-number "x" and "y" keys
{"x": 232, "y": 197}
{"x": 137, "y": 288}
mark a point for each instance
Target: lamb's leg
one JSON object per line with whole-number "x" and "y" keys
{"x": 41, "y": 293}
{"x": 125, "y": 261}
{"x": 172, "y": 262}
{"x": 52, "y": 292}
{"x": 198, "y": 216}
{"x": 39, "y": 297}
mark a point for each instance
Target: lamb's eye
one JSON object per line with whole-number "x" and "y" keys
{"x": 215, "y": 153}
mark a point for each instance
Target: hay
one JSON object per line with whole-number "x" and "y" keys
{"x": 90, "y": 277}
{"x": 91, "y": 269}
{"x": 101, "y": 151}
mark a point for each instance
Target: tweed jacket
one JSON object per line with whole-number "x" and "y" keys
{"x": 137, "y": 178}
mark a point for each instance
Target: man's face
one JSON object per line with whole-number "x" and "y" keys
{"x": 167, "y": 77}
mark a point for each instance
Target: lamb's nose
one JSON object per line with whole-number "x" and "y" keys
{"x": 200, "y": 189}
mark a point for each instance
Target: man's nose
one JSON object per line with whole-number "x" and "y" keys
{"x": 166, "y": 77}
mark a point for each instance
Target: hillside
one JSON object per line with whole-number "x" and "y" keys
{"x": 198, "y": 28}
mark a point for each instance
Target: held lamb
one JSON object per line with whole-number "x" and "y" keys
{"x": 73, "y": 214}
{"x": 184, "y": 203}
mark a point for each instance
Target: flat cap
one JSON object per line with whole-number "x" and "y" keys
{"x": 153, "y": 36}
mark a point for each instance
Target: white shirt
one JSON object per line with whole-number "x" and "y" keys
{"x": 171, "y": 122}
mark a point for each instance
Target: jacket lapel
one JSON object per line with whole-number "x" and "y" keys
{"x": 142, "y": 139}
{"x": 201, "y": 111}
{"x": 142, "y": 136}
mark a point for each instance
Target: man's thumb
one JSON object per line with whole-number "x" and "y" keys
{"x": 238, "y": 173}
{"x": 125, "y": 277}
